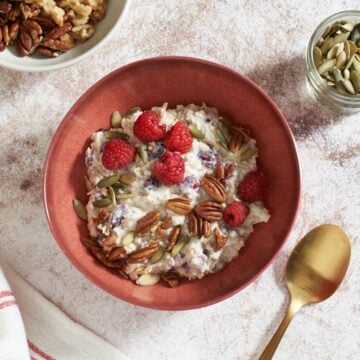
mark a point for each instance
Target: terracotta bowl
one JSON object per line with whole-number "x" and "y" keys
{"x": 176, "y": 80}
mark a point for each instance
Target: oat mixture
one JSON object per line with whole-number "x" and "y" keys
{"x": 179, "y": 206}
{"x": 48, "y": 27}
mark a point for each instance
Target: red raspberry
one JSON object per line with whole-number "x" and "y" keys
{"x": 117, "y": 154}
{"x": 235, "y": 213}
{"x": 170, "y": 169}
{"x": 178, "y": 138}
{"x": 252, "y": 187}
{"x": 147, "y": 127}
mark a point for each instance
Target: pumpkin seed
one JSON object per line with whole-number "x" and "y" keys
{"x": 128, "y": 238}
{"x": 338, "y": 75}
{"x": 132, "y": 111}
{"x": 124, "y": 196}
{"x": 340, "y": 38}
{"x": 326, "y": 32}
{"x": 341, "y": 60}
{"x": 347, "y": 27}
{"x": 87, "y": 184}
{"x": 348, "y": 86}
{"x": 102, "y": 203}
{"x": 350, "y": 62}
{"x": 335, "y": 51}
{"x": 355, "y": 79}
{"x": 127, "y": 179}
{"x": 317, "y": 56}
{"x": 195, "y": 132}
{"x": 111, "y": 192}
{"x": 158, "y": 255}
{"x": 346, "y": 74}
{"x": 148, "y": 279}
{"x": 225, "y": 120}
{"x": 80, "y": 209}
{"x": 326, "y": 66}
{"x": 353, "y": 48}
{"x": 178, "y": 246}
{"x": 347, "y": 49}
{"x": 115, "y": 135}
{"x": 326, "y": 45}
{"x": 107, "y": 181}
{"x": 116, "y": 120}
{"x": 222, "y": 139}
{"x": 144, "y": 154}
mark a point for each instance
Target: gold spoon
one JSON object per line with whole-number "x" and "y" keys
{"x": 313, "y": 272}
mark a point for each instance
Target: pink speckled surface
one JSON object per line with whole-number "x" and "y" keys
{"x": 264, "y": 40}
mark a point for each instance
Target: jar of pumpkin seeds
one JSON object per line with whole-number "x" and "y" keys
{"x": 332, "y": 62}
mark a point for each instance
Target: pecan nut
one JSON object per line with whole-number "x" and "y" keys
{"x": 180, "y": 206}
{"x": 236, "y": 141}
{"x": 100, "y": 256}
{"x": 228, "y": 170}
{"x": 145, "y": 224}
{"x": 47, "y": 52}
{"x": 209, "y": 210}
{"x": 166, "y": 223}
{"x": 59, "y": 31}
{"x": 171, "y": 278}
{"x": 143, "y": 253}
{"x": 219, "y": 240}
{"x": 26, "y": 40}
{"x": 118, "y": 253}
{"x": 198, "y": 227}
{"x": 219, "y": 171}
{"x": 214, "y": 188}
{"x": 173, "y": 237}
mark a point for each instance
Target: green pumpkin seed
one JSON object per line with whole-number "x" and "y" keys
{"x": 195, "y": 132}
{"x": 340, "y": 38}
{"x": 80, "y": 209}
{"x": 87, "y": 184}
{"x": 338, "y": 75}
{"x": 326, "y": 45}
{"x": 347, "y": 49}
{"x": 317, "y": 56}
{"x": 143, "y": 154}
{"x": 225, "y": 120}
{"x": 127, "y": 179}
{"x": 346, "y": 74}
{"x": 107, "y": 181}
{"x": 148, "y": 279}
{"x": 115, "y": 135}
{"x": 102, "y": 203}
{"x": 178, "y": 246}
{"x": 132, "y": 111}
{"x": 124, "y": 196}
{"x": 348, "y": 86}
{"x": 222, "y": 139}
{"x": 158, "y": 255}
{"x": 355, "y": 79}
{"x": 128, "y": 238}
{"x": 326, "y": 66}
{"x": 116, "y": 120}
{"x": 111, "y": 192}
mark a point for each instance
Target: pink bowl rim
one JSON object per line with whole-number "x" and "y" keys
{"x": 297, "y": 185}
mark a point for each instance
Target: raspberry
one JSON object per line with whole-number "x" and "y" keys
{"x": 117, "y": 154}
{"x": 169, "y": 169}
{"x": 178, "y": 138}
{"x": 252, "y": 187}
{"x": 235, "y": 213}
{"x": 147, "y": 127}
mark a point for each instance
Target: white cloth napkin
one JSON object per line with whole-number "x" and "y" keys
{"x": 31, "y": 327}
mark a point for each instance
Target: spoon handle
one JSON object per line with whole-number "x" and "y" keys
{"x": 274, "y": 342}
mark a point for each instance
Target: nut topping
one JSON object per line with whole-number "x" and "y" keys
{"x": 209, "y": 210}
{"x": 214, "y": 188}
{"x": 143, "y": 253}
{"x": 145, "y": 224}
{"x": 219, "y": 240}
{"x": 118, "y": 253}
{"x": 173, "y": 237}
{"x": 180, "y": 206}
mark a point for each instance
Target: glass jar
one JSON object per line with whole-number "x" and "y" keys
{"x": 345, "y": 103}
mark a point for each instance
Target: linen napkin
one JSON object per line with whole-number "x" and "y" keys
{"x": 31, "y": 327}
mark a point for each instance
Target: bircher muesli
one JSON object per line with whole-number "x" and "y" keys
{"x": 173, "y": 193}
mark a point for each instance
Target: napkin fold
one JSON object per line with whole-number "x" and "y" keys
{"x": 32, "y": 328}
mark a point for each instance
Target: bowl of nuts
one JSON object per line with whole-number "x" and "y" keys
{"x": 175, "y": 195}
{"x": 42, "y": 35}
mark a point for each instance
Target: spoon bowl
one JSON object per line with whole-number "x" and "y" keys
{"x": 314, "y": 271}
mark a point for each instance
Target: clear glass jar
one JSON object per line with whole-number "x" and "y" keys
{"x": 316, "y": 84}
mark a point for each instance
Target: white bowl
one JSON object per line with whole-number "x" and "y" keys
{"x": 36, "y": 62}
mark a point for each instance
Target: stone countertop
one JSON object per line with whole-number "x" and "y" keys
{"x": 264, "y": 40}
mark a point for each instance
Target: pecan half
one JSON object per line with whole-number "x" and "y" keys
{"x": 193, "y": 224}
{"x": 219, "y": 240}
{"x": 214, "y": 188}
{"x": 206, "y": 229}
{"x": 118, "y": 253}
{"x": 26, "y": 40}
{"x": 14, "y": 30}
{"x": 229, "y": 169}
{"x": 209, "y": 210}
{"x": 236, "y": 141}
{"x": 219, "y": 171}
{"x": 180, "y": 206}
{"x": 47, "y": 52}
{"x": 166, "y": 223}
{"x": 198, "y": 227}
{"x": 171, "y": 278}
{"x": 59, "y": 31}
{"x": 99, "y": 255}
{"x": 145, "y": 224}
{"x": 144, "y": 253}
{"x": 173, "y": 237}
